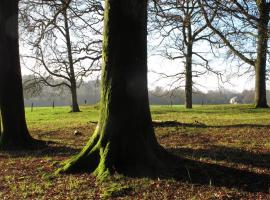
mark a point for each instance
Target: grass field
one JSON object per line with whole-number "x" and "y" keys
{"x": 226, "y": 148}
{"x": 210, "y": 115}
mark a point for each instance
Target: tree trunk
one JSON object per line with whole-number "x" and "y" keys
{"x": 75, "y": 105}
{"x": 124, "y": 140}
{"x": 188, "y": 55}
{"x": 260, "y": 65}
{"x": 73, "y": 88}
{"x": 188, "y": 76}
{"x": 15, "y": 133}
{"x": 0, "y": 122}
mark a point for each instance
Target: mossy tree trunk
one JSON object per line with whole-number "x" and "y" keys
{"x": 260, "y": 65}
{"x": 15, "y": 133}
{"x": 124, "y": 140}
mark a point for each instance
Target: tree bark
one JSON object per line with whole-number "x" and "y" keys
{"x": 260, "y": 65}
{"x": 75, "y": 105}
{"x": 15, "y": 133}
{"x": 188, "y": 39}
{"x": 73, "y": 88}
{"x": 124, "y": 140}
{"x": 188, "y": 76}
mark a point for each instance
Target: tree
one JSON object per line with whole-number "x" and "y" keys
{"x": 124, "y": 140}
{"x": 15, "y": 134}
{"x": 65, "y": 39}
{"x": 182, "y": 27}
{"x": 243, "y": 28}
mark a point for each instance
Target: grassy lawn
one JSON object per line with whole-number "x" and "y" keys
{"x": 59, "y": 117}
{"x": 226, "y": 150}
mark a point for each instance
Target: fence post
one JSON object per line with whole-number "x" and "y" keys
{"x": 53, "y": 104}
{"x": 32, "y": 107}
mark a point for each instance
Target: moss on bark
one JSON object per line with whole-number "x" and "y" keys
{"x": 124, "y": 140}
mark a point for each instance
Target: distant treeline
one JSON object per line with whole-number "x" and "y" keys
{"x": 161, "y": 96}
{"x": 89, "y": 93}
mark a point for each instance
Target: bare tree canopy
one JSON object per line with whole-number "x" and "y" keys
{"x": 64, "y": 38}
{"x": 243, "y": 27}
{"x": 185, "y": 37}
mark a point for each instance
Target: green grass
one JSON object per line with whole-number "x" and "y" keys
{"x": 46, "y": 117}
{"x": 211, "y": 115}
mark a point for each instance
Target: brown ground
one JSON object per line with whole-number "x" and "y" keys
{"x": 226, "y": 162}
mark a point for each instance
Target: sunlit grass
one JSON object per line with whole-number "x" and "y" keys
{"x": 59, "y": 117}
{"x": 211, "y": 115}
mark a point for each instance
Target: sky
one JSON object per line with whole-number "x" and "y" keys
{"x": 204, "y": 83}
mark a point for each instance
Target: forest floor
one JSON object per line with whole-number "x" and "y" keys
{"x": 227, "y": 149}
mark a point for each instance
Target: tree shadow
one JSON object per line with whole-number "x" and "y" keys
{"x": 51, "y": 149}
{"x": 227, "y": 154}
{"x": 197, "y": 124}
{"x": 207, "y": 174}
{"x": 203, "y": 173}
{"x": 188, "y": 170}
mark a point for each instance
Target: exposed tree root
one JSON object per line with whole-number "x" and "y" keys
{"x": 103, "y": 159}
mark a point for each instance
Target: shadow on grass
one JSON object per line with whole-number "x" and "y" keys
{"x": 187, "y": 170}
{"x": 204, "y": 173}
{"x": 207, "y": 174}
{"x": 227, "y": 154}
{"x": 197, "y": 124}
{"x": 51, "y": 149}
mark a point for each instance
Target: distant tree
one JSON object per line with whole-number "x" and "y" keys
{"x": 243, "y": 27}
{"x": 15, "y": 134}
{"x": 65, "y": 39}
{"x": 32, "y": 86}
{"x": 183, "y": 29}
{"x": 124, "y": 140}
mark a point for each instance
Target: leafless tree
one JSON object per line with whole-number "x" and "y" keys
{"x": 65, "y": 41}
{"x": 185, "y": 36}
{"x": 243, "y": 27}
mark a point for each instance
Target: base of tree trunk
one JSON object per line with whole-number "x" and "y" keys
{"x": 99, "y": 157}
{"x": 75, "y": 109}
{"x": 188, "y": 106}
{"x": 264, "y": 105}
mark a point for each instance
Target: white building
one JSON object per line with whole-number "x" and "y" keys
{"x": 234, "y": 100}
